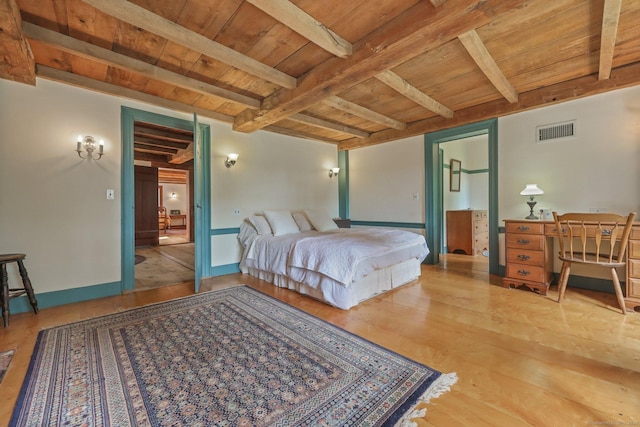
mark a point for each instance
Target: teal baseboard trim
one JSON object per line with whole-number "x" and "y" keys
{"x": 221, "y": 270}
{"x": 502, "y": 271}
{"x": 388, "y": 224}
{"x": 223, "y": 231}
{"x": 588, "y": 283}
{"x": 66, "y": 296}
{"x": 501, "y": 230}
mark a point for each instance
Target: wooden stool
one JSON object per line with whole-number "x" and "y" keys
{"x": 7, "y": 293}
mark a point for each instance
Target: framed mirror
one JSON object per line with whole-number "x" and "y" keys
{"x": 455, "y": 170}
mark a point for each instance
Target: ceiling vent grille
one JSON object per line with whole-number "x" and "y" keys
{"x": 556, "y": 131}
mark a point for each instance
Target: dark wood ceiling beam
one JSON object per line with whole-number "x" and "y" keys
{"x": 163, "y": 131}
{"x": 157, "y": 142}
{"x": 569, "y": 90}
{"x": 162, "y": 162}
{"x": 182, "y": 156}
{"x": 415, "y": 31}
{"x": 161, "y": 135}
{"x": 610, "y": 20}
{"x": 154, "y": 149}
{"x": 17, "y": 61}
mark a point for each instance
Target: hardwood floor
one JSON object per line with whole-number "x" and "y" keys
{"x": 522, "y": 359}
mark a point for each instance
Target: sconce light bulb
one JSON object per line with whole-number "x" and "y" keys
{"x": 231, "y": 159}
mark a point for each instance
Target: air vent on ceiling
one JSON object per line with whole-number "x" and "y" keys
{"x": 556, "y": 131}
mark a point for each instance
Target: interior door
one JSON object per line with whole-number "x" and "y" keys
{"x": 198, "y": 196}
{"x": 146, "y": 206}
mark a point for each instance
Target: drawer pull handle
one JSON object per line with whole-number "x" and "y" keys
{"x": 524, "y": 272}
{"x": 524, "y": 241}
{"x": 524, "y": 257}
{"x": 523, "y": 228}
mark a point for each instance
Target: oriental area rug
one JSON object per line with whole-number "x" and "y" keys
{"x": 231, "y": 357}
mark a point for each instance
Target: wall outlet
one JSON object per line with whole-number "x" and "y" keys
{"x": 597, "y": 210}
{"x": 236, "y": 212}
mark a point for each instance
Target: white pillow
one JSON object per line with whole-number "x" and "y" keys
{"x": 260, "y": 223}
{"x": 281, "y": 222}
{"x": 320, "y": 220}
{"x": 303, "y": 223}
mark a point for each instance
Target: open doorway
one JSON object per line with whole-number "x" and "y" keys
{"x": 434, "y": 185}
{"x": 174, "y": 212}
{"x": 164, "y": 238}
{"x": 465, "y": 190}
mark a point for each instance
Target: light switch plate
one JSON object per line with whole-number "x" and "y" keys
{"x": 111, "y": 194}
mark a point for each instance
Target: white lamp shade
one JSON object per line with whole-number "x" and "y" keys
{"x": 335, "y": 170}
{"x": 233, "y": 157}
{"x": 531, "y": 190}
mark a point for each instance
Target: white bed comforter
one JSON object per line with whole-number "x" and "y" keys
{"x": 344, "y": 255}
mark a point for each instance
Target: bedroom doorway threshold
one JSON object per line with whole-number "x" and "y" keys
{"x": 164, "y": 265}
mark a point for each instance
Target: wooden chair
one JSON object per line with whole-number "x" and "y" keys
{"x": 598, "y": 239}
{"x": 6, "y": 293}
{"x": 164, "y": 221}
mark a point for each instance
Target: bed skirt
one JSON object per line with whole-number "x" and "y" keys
{"x": 341, "y": 296}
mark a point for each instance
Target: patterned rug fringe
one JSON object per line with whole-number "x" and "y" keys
{"x": 440, "y": 386}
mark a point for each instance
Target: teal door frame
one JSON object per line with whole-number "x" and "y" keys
{"x": 201, "y": 192}
{"x": 434, "y": 204}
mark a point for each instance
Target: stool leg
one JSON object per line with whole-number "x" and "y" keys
{"x": 5, "y": 295}
{"x": 27, "y": 286}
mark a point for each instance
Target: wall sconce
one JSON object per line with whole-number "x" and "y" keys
{"x": 173, "y": 196}
{"x": 333, "y": 171}
{"x": 89, "y": 144}
{"x": 531, "y": 190}
{"x": 231, "y": 159}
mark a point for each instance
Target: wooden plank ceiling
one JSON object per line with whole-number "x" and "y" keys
{"x": 353, "y": 73}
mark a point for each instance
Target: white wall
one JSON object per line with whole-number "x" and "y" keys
{"x": 272, "y": 172}
{"x": 182, "y": 197}
{"x": 599, "y": 168}
{"x": 384, "y": 179}
{"x": 53, "y": 204}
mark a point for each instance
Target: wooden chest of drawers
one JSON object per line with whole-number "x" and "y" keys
{"x": 529, "y": 260}
{"x": 632, "y": 294}
{"x": 467, "y": 231}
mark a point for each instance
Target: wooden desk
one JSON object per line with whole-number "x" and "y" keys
{"x": 530, "y": 256}
{"x": 182, "y": 218}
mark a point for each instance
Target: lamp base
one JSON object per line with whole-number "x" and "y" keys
{"x": 531, "y": 204}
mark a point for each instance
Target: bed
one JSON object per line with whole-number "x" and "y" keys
{"x": 308, "y": 253}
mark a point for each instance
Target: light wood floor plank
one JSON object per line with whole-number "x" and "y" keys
{"x": 522, "y": 359}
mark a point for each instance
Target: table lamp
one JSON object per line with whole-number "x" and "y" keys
{"x": 531, "y": 190}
